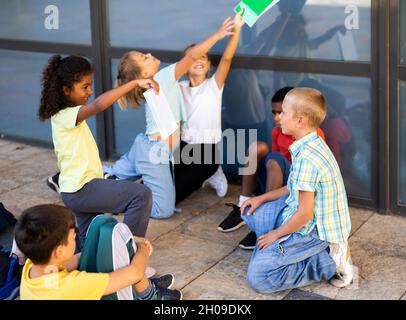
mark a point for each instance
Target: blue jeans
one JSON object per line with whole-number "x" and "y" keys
{"x": 151, "y": 160}
{"x": 290, "y": 262}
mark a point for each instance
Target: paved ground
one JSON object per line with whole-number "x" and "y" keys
{"x": 208, "y": 264}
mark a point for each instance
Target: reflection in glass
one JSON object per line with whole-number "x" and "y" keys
{"x": 247, "y": 104}
{"x": 25, "y": 20}
{"x": 402, "y": 15}
{"x": 20, "y": 92}
{"x": 294, "y": 28}
{"x": 402, "y": 145}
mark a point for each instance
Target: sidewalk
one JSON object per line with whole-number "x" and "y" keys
{"x": 208, "y": 264}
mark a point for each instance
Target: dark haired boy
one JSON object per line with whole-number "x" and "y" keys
{"x": 46, "y": 235}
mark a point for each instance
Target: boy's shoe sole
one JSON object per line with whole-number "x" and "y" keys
{"x": 53, "y": 185}
{"x": 238, "y": 226}
{"x": 246, "y": 247}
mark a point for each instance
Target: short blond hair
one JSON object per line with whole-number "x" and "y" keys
{"x": 310, "y": 103}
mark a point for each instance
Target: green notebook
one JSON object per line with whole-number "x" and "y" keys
{"x": 254, "y": 9}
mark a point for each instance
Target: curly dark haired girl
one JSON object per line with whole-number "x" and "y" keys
{"x": 58, "y": 79}
{"x": 67, "y": 85}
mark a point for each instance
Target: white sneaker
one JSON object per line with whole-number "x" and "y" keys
{"x": 150, "y": 272}
{"x": 218, "y": 182}
{"x": 344, "y": 276}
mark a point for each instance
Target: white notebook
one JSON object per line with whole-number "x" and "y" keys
{"x": 161, "y": 112}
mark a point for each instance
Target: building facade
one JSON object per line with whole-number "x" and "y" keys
{"x": 352, "y": 50}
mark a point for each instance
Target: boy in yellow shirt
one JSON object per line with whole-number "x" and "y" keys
{"x": 46, "y": 235}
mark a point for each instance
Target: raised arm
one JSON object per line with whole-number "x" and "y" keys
{"x": 107, "y": 99}
{"x": 225, "y": 63}
{"x": 202, "y": 48}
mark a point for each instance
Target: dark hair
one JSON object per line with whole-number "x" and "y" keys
{"x": 280, "y": 95}
{"x": 60, "y": 73}
{"x": 41, "y": 229}
{"x": 207, "y": 55}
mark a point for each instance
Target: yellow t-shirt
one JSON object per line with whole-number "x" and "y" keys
{"x": 63, "y": 285}
{"x": 76, "y": 150}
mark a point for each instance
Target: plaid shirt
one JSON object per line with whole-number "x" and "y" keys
{"x": 314, "y": 169}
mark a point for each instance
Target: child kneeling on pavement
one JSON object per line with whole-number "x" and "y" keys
{"x": 46, "y": 235}
{"x": 303, "y": 228}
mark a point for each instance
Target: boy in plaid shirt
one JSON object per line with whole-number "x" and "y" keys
{"x": 303, "y": 228}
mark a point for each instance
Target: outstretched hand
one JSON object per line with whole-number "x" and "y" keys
{"x": 238, "y": 20}
{"x": 226, "y": 29}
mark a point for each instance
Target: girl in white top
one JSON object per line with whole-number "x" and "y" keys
{"x": 202, "y": 100}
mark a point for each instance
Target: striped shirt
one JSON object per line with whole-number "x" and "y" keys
{"x": 314, "y": 169}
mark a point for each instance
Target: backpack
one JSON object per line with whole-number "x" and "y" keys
{"x": 10, "y": 276}
{"x": 109, "y": 246}
{"x": 6, "y": 218}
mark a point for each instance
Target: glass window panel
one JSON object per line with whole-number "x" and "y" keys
{"x": 295, "y": 28}
{"x": 20, "y": 91}
{"x": 25, "y": 20}
{"x": 402, "y": 15}
{"x": 246, "y": 104}
{"x": 402, "y": 145}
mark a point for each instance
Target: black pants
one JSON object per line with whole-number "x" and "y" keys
{"x": 189, "y": 177}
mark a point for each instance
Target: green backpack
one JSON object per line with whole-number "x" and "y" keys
{"x": 109, "y": 246}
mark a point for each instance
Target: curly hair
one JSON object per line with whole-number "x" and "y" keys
{"x": 58, "y": 74}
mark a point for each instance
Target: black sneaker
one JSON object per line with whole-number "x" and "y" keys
{"x": 109, "y": 176}
{"x": 53, "y": 182}
{"x": 165, "y": 281}
{"x": 249, "y": 242}
{"x": 166, "y": 294}
{"x": 233, "y": 220}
